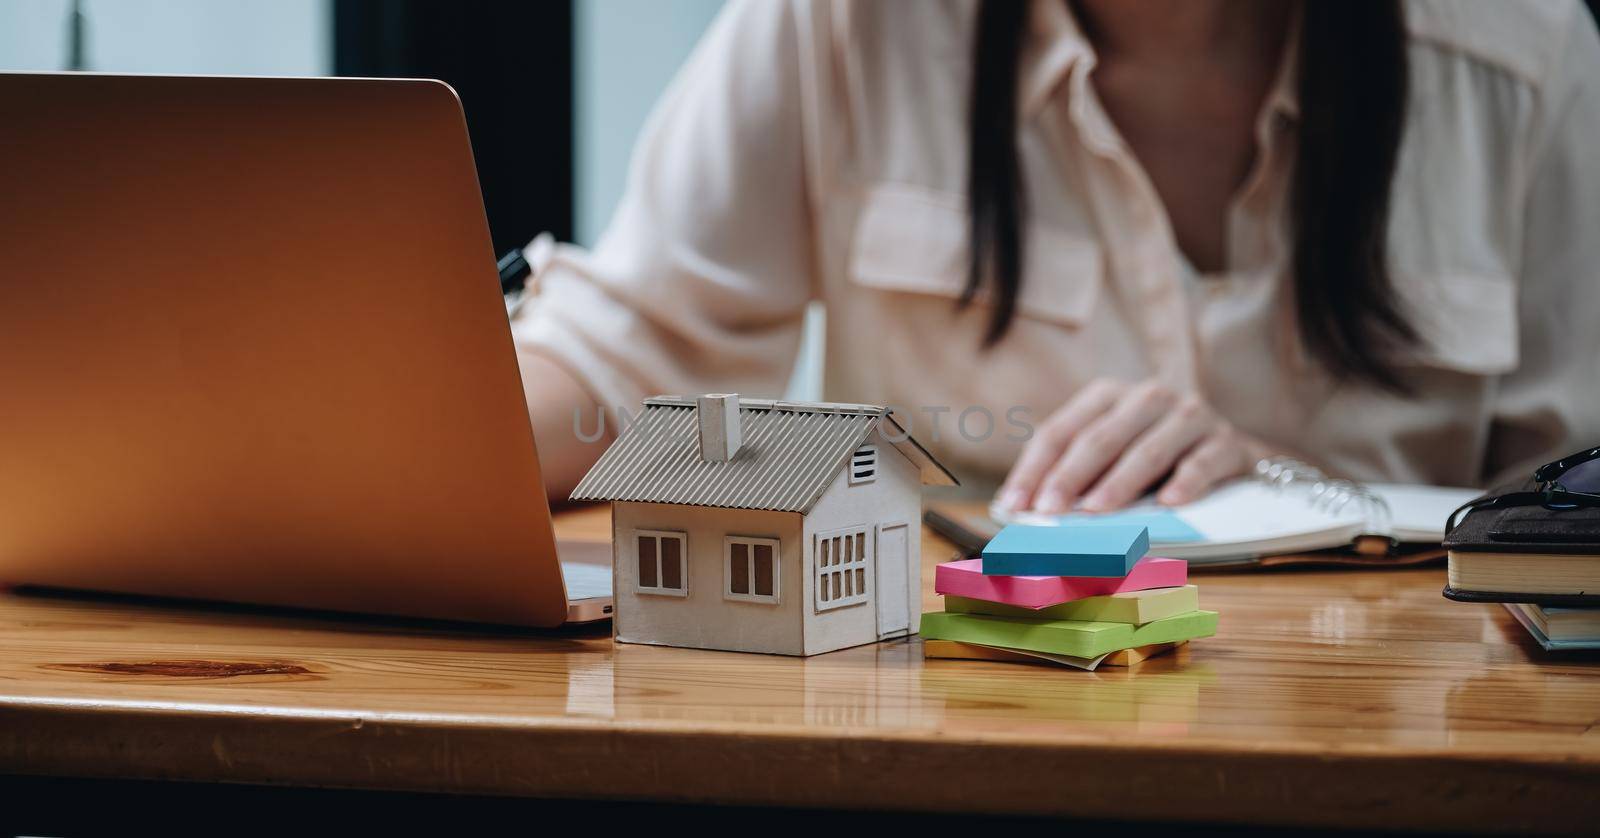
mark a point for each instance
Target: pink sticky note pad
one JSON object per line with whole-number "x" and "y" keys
{"x": 965, "y": 578}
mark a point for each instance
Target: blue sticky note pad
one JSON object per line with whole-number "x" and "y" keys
{"x": 1165, "y": 525}
{"x": 1101, "y": 550}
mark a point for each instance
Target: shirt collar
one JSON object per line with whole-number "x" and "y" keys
{"x": 1283, "y": 100}
{"x": 1056, "y": 44}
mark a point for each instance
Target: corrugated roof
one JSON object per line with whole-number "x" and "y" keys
{"x": 790, "y": 452}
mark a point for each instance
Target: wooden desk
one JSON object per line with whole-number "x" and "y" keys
{"x": 1339, "y": 699}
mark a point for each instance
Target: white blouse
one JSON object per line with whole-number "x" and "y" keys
{"x": 816, "y": 150}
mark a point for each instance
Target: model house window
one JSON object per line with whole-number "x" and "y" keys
{"x": 752, "y": 569}
{"x": 864, "y": 464}
{"x": 842, "y": 572}
{"x": 662, "y": 562}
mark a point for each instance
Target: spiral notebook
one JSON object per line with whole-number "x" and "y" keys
{"x": 1285, "y": 508}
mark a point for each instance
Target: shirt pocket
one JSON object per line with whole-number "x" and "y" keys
{"x": 1464, "y": 322}
{"x": 913, "y": 239}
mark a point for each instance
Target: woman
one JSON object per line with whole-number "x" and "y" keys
{"x": 1109, "y": 247}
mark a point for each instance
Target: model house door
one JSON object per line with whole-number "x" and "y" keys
{"x": 894, "y": 608}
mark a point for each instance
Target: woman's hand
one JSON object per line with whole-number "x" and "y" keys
{"x": 1113, "y": 441}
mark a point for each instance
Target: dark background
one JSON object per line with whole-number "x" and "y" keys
{"x": 511, "y": 64}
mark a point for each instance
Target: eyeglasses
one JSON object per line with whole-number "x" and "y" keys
{"x": 1568, "y": 483}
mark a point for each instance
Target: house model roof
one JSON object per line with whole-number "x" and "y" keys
{"x": 790, "y": 453}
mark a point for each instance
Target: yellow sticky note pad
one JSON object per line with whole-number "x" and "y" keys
{"x": 957, "y": 650}
{"x": 1136, "y": 607}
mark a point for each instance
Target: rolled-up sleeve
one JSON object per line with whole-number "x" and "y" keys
{"x": 1551, "y": 404}
{"x": 701, "y": 280}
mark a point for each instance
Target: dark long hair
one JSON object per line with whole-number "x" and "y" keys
{"x": 1352, "y": 86}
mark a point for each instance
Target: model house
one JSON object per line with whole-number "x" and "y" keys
{"x": 761, "y": 526}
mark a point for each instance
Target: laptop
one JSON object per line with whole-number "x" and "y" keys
{"x": 253, "y": 349}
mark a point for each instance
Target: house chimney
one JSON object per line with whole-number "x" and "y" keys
{"x": 718, "y": 417}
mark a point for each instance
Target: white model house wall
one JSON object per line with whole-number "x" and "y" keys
{"x": 703, "y": 618}
{"x": 893, "y": 497}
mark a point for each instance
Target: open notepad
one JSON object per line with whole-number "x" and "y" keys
{"x": 1292, "y": 509}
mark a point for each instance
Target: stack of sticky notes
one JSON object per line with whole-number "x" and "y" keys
{"x": 1078, "y": 596}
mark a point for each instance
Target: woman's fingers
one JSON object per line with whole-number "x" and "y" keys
{"x": 1044, "y": 450}
{"x": 1113, "y": 441}
{"x": 1100, "y": 444}
{"x": 1152, "y": 455}
{"x": 1217, "y": 458}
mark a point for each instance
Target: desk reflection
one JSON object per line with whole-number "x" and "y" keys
{"x": 890, "y": 686}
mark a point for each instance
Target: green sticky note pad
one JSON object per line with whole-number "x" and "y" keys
{"x": 1079, "y": 638}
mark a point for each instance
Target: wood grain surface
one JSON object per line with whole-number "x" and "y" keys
{"x": 1349, "y": 698}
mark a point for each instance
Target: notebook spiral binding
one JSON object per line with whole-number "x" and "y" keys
{"x": 1327, "y": 494}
